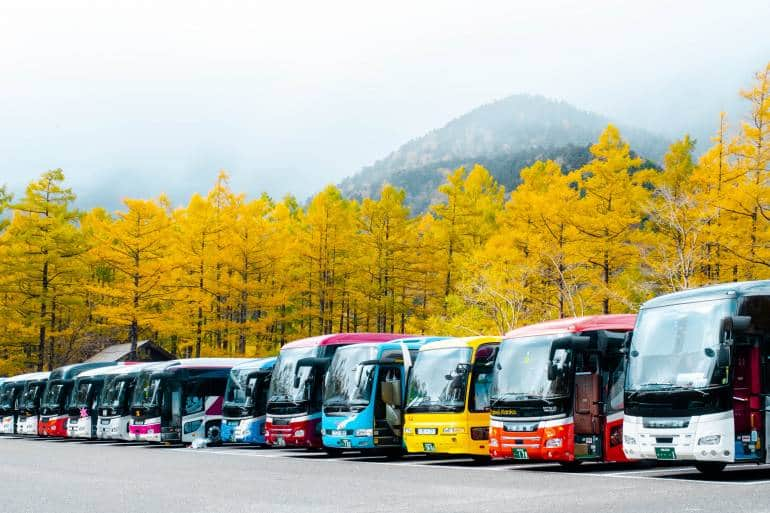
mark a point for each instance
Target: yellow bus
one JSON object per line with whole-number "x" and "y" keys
{"x": 447, "y": 408}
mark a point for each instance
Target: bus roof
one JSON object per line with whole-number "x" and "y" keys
{"x": 615, "y": 322}
{"x": 30, "y": 376}
{"x": 70, "y": 371}
{"x": 712, "y": 292}
{"x": 126, "y": 368}
{"x": 256, "y": 364}
{"x": 343, "y": 339}
{"x": 453, "y": 343}
{"x": 201, "y": 363}
{"x": 409, "y": 342}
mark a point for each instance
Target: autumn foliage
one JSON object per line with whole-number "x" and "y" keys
{"x": 229, "y": 275}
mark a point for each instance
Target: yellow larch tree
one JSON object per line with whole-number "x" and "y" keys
{"x": 606, "y": 217}
{"x": 135, "y": 248}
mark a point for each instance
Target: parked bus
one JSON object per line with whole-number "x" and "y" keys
{"x": 83, "y": 403}
{"x": 180, "y": 401}
{"x": 698, "y": 385}
{"x": 10, "y": 398}
{"x": 364, "y": 395}
{"x": 115, "y": 399}
{"x": 557, "y": 391}
{"x": 447, "y": 407}
{"x": 53, "y": 405}
{"x": 296, "y": 389}
{"x": 246, "y": 402}
{"x": 29, "y": 405}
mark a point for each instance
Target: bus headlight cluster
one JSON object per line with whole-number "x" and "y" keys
{"x": 553, "y": 443}
{"x": 453, "y": 430}
{"x": 299, "y": 433}
{"x": 710, "y": 440}
{"x": 364, "y": 432}
{"x": 407, "y": 431}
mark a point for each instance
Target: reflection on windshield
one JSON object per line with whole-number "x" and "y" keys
{"x": 114, "y": 393}
{"x": 282, "y": 385}
{"x": 8, "y": 397}
{"x": 436, "y": 384}
{"x": 347, "y": 382}
{"x": 30, "y": 397}
{"x": 52, "y": 397}
{"x": 521, "y": 372}
{"x": 79, "y": 397}
{"x": 674, "y": 346}
{"x": 240, "y": 386}
{"x": 146, "y": 393}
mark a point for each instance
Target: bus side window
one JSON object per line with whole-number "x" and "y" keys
{"x": 193, "y": 397}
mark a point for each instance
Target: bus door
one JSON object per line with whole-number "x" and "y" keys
{"x": 588, "y": 414}
{"x": 613, "y": 396}
{"x": 388, "y": 403}
{"x": 750, "y": 388}
{"x": 171, "y": 406}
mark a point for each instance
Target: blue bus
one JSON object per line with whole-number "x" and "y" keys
{"x": 246, "y": 402}
{"x": 364, "y": 395}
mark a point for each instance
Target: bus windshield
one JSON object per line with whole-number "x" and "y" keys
{"x": 147, "y": 391}
{"x": 52, "y": 398}
{"x": 675, "y": 346}
{"x": 114, "y": 392}
{"x": 521, "y": 371}
{"x": 31, "y": 396}
{"x": 9, "y": 396}
{"x": 80, "y": 395}
{"x": 439, "y": 380}
{"x": 348, "y": 383}
{"x": 282, "y": 387}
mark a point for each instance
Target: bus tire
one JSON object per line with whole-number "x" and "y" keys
{"x": 710, "y": 468}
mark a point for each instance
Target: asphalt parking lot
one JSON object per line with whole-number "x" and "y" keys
{"x": 48, "y": 475}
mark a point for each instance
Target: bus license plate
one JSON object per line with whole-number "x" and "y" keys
{"x": 520, "y": 454}
{"x": 345, "y": 443}
{"x": 280, "y": 442}
{"x": 665, "y": 453}
{"x": 429, "y": 447}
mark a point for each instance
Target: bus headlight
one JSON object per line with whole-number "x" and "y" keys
{"x": 629, "y": 440}
{"x": 407, "y": 431}
{"x": 299, "y": 433}
{"x": 710, "y": 440}
{"x": 452, "y": 430}
{"x": 553, "y": 443}
{"x": 364, "y": 432}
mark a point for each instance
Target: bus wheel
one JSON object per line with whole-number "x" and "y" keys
{"x": 334, "y": 453}
{"x": 710, "y": 468}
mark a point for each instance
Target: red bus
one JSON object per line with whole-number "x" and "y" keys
{"x": 296, "y": 389}
{"x": 557, "y": 391}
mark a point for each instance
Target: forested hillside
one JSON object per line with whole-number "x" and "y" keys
{"x": 231, "y": 275}
{"x": 505, "y": 137}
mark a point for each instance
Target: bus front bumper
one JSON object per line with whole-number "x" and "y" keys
{"x": 697, "y": 438}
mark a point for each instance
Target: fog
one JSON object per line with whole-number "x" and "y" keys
{"x": 137, "y": 98}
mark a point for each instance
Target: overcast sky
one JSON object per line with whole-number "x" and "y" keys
{"x": 137, "y": 97}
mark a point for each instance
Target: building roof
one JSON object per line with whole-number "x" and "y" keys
{"x": 616, "y": 322}
{"x": 145, "y": 351}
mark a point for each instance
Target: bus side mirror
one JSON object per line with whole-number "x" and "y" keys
{"x": 569, "y": 342}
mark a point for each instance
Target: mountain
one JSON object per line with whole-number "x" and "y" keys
{"x": 504, "y": 136}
